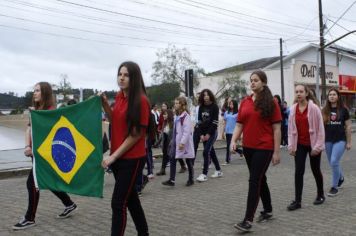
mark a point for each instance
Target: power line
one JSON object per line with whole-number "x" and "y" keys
{"x": 113, "y": 35}
{"x": 209, "y": 17}
{"x": 341, "y": 16}
{"x": 310, "y": 23}
{"x": 236, "y": 12}
{"x": 74, "y": 37}
{"x": 161, "y": 22}
{"x": 111, "y": 42}
{"x": 134, "y": 26}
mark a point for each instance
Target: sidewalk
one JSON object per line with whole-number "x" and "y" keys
{"x": 204, "y": 209}
{"x": 15, "y": 163}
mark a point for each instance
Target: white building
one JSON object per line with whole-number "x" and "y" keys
{"x": 299, "y": 68}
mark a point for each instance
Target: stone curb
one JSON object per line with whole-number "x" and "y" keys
{"x": 20, "y": 172}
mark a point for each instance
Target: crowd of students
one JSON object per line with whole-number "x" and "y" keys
{"x": 262, "y": 124}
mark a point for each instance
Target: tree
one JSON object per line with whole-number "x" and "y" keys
{"x": 28, "y": 99}
{"x": 165, "y": 92}
{"x": 64, "y": 86}
{"x": 231, "y": 85}
{"x": 171, "y": 65}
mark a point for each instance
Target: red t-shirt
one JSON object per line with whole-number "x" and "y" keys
{"x": 119, "y": 126}
{"x": 301, "y": 120}
{"x": 257, "y": 131}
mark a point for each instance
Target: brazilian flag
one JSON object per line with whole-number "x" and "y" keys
{"x": 68, "y": 150}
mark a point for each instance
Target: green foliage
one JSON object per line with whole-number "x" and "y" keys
{"x": 165, "y": 92}
{"x": 171, "y": 65}
{"x": 10, "y": 102}
{"x": 231, "y": 85}
{"x": 16, "y": 111}
{"x": 28, "y": 99}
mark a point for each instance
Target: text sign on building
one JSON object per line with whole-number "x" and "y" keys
{"x": 305, "y": 73}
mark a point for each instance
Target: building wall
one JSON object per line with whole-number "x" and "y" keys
{"x": 347, "y": 66}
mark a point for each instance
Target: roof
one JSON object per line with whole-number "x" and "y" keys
{"x": 252, "y": 65}
{"x": 347, "y": 52}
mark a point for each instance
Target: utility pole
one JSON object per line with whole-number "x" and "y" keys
{"x": 281, "y": 60}
{"x": 322, "y": 53}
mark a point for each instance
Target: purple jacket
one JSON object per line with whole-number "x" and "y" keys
{"x": 183, "y": 135}
{"x": 316, "y": 128}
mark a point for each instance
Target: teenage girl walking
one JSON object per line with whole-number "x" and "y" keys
{"x": 182, "y": 141}
{"x": 129, "y": 119}
{"x": 259, "y": 121}
{"x": 306, "y": 135}
{"x": 337, "y": 136}
{"x": 167, "y": 132}
{"x": 230, "y": 116}
{"x": 42, "y": 100}
{"x": 208, "y": 123}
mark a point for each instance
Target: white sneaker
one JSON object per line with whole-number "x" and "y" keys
{"x": 151, "y": 176}
{"x": 217, "y": 174}
{"x": 202, "y": 178}
{"x": 225, "y": 164}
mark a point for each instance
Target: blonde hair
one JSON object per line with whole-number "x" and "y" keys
{"x": 183, "y": 103}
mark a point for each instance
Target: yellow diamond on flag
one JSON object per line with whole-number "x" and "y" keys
{"x": 65, "y": 149}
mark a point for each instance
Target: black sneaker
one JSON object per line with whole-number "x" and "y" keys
{"x": 168, "y": 183}
{"x": 264, "y": 216}
{"x": 294, "y": 205}
{"x": 244, "y": 226}
{"x": 333, "y": 192}
{"x": 341, "y": 181}
{"x": 23, "y": 224}
{"x": 189, "y": 183}
{"x": 319, "y": 200}
{"x": 68, "y": 211}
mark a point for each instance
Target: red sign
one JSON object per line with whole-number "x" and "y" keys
{"x": 347, "y": 83}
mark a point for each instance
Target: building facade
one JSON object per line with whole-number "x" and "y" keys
{"x": 299, "y": 67}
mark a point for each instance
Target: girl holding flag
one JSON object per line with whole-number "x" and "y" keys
{"x": 129, "y": 119}
{"x": 42, "y": 100}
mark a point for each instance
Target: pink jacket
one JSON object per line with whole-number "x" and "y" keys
{"x": 316, "y": 128}
{"x": 184, "y": 136}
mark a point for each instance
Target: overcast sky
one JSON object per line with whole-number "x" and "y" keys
{"x": 88, "y": 39}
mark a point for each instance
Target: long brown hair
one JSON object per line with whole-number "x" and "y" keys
{"x": 46, "y": 101}
{"x": 184, "y": 105}
{"x": 136, "y": 90}
{"x": 327, "y": 108}
{"x": 201, "y": 96}
{"x": 264, "y": 99}
{"x": 170, "y": 118}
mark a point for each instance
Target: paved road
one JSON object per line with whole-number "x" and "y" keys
{"x": 209, "y": 208}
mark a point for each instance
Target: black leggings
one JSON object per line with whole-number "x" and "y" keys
{"x": 173, "y": 162}
{"x": 257, "y": 163}
{"x": 125, "y": 196}
{"x": 34, "y": 197}
{"x": 165, "y": 156}
{"x": 300, "y": 159}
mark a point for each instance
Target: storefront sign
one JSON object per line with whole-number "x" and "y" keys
{"x": 305, "y": 73}
{"x": 347, "y": 83}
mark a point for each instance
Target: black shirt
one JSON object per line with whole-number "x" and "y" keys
{"x": 335, "y": 128}
{"x": 208, "y": 119}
